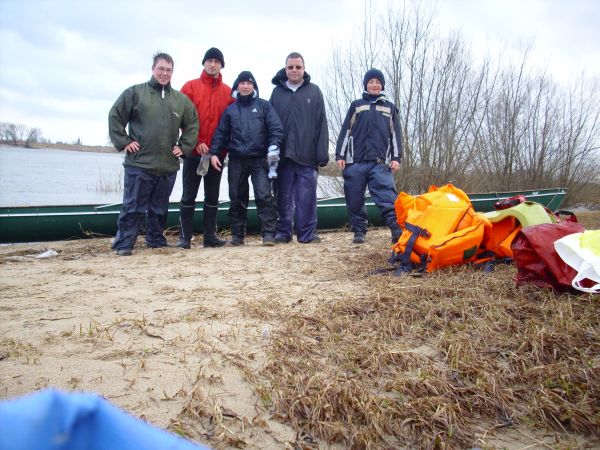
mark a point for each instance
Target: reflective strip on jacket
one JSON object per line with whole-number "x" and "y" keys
{"x": 370, "y": 132}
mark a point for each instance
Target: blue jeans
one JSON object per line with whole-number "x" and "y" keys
{"x": 144, "y": 195}
{"x": 378, "y": 177}
{"x": 297, "y": 200}
{"x": 237, "y": 175}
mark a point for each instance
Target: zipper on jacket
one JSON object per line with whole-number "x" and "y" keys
{"x": 163, "y": 92}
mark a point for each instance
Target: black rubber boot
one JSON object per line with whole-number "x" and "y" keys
{"x": 209, "y": 225}
{"x": 186, "y": 227}
{"x": 269, "y": 239}
{"x": 359, "y": 238}
{"x": 237, "y": 240}
{"x": 238, "y": 233}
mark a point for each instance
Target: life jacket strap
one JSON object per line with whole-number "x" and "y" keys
{"x": 406, "y": 265}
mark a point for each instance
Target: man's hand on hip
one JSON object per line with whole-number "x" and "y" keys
{"x": 177, "y": 151}
{"x": 132, "y": 147}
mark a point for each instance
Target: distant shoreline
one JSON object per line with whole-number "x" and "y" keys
{"x": 70, "y": 147}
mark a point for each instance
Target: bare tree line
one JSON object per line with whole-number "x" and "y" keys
{"x": 492, "y": 126}
{"x": 17, "y": 133}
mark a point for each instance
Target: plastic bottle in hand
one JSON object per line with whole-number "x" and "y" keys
{"x": 203, "y": 166}
{"x": 273, "y": 160}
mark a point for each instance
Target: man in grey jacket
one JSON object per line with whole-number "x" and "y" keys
{"x": 299, "y": 103}
{"x": 154, "y": 113}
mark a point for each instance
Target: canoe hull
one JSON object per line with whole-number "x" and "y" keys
{"x": 74, "y": 222}
{"x": 49, "y": 223}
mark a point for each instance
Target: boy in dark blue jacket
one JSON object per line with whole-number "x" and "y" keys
{"x": 369, "y": 149}
{"x": 249, "y": 129}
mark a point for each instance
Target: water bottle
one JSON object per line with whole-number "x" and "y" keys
{"x": 203, "y": 166}
{"x": 273, "y": 161}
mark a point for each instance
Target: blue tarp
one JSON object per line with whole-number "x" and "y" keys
{"x": 54, "y": 420}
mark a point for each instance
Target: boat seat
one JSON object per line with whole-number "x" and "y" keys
{"x": 527, "y": 213}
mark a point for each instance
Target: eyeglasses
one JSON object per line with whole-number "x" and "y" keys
{"x": 295, "y": 67}
{"x": 163, "y": 69}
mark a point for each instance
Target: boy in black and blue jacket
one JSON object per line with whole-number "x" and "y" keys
{"x": 369, "y": 149}
{"x": 249, "y": 129}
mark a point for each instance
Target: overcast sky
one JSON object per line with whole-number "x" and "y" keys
{"x": 63, "y": 63}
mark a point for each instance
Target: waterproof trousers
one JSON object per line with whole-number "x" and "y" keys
{"x": 191, "y": 184}
{"x": 239, "y": 170}
{"x": 296, "y": 200}
{"x": 378, "y": 177}
{"x": 145, "y": 195}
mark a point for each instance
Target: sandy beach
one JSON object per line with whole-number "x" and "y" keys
{"x": 152, "y": 330}
{"x": 179, "y": 338}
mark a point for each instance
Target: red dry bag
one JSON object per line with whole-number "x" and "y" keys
{"x": 536, "y": 260}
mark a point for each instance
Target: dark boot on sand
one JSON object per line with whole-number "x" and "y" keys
{"x": 359, "y": 238}
{"x": 209, "y": 225}
{"x": 186, "y": 226}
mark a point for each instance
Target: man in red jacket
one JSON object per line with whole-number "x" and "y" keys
{"x": 211, "y": 97}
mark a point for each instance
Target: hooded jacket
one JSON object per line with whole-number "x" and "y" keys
{"x": 370, "y": 132}
{"x": 247, "y": 128}
{"x": 211, "y": 97}
{"x": 302, "y": 114}
{"x": 155, "y": 115}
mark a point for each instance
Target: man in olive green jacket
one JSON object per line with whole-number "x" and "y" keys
{"x": 155, "y": 113}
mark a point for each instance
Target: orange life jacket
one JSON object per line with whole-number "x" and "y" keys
{"x": 503, "y": 226}
{"x": 440, "y": 228}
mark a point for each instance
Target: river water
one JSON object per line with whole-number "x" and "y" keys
{"x": 41, "y": 177}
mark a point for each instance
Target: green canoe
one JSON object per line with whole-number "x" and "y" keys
{"x": 48, "y": 223}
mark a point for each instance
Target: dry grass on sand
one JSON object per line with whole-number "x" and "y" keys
{"x": 296, "y": 347}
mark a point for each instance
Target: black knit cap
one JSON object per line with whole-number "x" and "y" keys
{"x": 374, "y": 73}
{"x": 246, "y": 75}
{"x": 214, "y": 53}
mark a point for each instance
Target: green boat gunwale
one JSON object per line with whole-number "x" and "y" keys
{"x": 56, "y": 222}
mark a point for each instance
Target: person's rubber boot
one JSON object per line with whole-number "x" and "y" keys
{"x": 237, "y": 240}
{"x": 359, "y": 238}
{"x": 238, "y": 233}
{"x": 186, "y": 227}
{"x": 209, "y": 225}
{"x": 269, "y": 239}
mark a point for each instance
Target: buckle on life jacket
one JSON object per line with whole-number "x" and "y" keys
{"x": 403, "y": 258}
{"x": 424, "y": 233}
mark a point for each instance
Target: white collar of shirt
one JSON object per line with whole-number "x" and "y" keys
{"x": 293, "y": 87}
